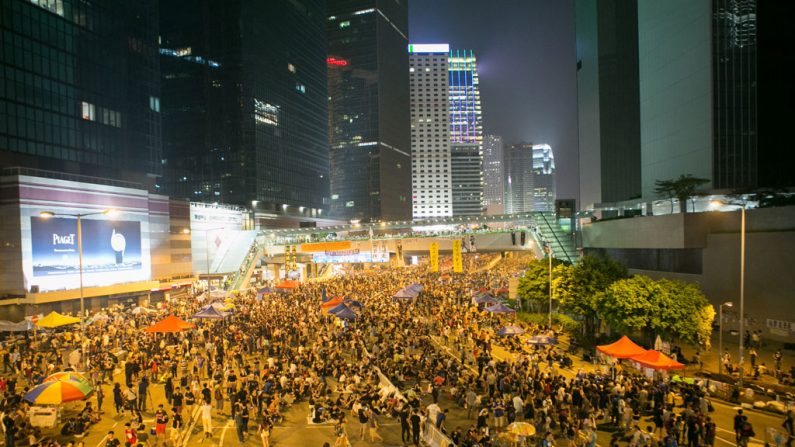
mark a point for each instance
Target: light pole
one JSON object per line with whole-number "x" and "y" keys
{"x": 79, "y": 217}
{"x": 720, "y": 334}
{"x": 549, "y": 255}
{"x": 742, "y": 286}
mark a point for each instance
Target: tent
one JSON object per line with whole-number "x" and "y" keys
{"x": 343, "y": 312}
{"x": 657, "y": 360}
{"x": 500, "y": 308}
{"x": 354, "y": 303}
{"x": 169, "y": 324}
{"x": 405, "y": 294}
{"x": 54, "y": 319}
{"x": 510, "y": 330}
{"x": 624, "y": 348}
{"x": 484, "y": 298}
{"x": 288, "y": 284}
{"x": 416, "y": 287}
{"x": 542, "y": 340}
{"x": 330, "y": 304}
{"x": 210, "y": 313}
{"x": 9, "y": 326}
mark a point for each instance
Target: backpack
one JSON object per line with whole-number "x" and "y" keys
{"x": 747, "y": 429}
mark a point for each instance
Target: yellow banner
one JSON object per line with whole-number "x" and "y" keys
{"x": 434, "y": 254}
{"x": 458, "y": 262}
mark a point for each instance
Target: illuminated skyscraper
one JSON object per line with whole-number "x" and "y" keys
{"x": 466, "y": 134}
{"x": 543, "y": 178}
{"x": 368, "y": 91}
{"x": 430, "y": 131}
{"x": 493, "y": 174}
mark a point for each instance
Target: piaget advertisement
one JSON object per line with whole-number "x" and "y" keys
{"x": 108, "y": 246}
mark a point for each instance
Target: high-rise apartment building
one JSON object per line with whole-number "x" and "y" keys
{"x": 466, "y": 134}
{"x": 493, "y": 175}
{"x": 368, "y": 90}
{"x": 79, "y": 88}
{"x": 244, "y": 103}
{"x": 430, "y": 130}
{"x": 608, "y": 105}
{"x": 543, "y": 178}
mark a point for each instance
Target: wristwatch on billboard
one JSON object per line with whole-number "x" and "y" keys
{"x": 118, "y": 243}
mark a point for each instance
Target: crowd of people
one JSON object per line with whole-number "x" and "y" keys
{"x": 406, "y": 360}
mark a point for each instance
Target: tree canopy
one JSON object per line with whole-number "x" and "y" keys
{"x": 682, "y": 188}
{"x": 670, "y": 308}
{"x": 534, "y": 285}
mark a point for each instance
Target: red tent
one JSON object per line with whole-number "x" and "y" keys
{"x": 170, "y": 324}
{"x": 288, "y": 284}
{"x": 334, "y": 302}
{"x": 624, "y": 348}
{"x": 657, "y": 360}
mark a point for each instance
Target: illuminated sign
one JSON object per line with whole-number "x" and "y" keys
{"x": 349, "y": 256}
{"x": 266, "y": 113}
{"x": 108, "y": 246}
{"x": 337, "y": 62}
{"x": 429, "y": 48}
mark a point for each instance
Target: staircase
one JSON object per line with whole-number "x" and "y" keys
{"x": 560, "y": 241}
{"x": 242, "y": 276}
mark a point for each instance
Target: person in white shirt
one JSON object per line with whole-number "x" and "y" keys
{"x": 518, "y": 406}
{"x": 433, "y": 411}
{"x": 206, "y": 411}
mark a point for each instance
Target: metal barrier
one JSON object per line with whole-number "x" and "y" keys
{"x": 433, "y": 437}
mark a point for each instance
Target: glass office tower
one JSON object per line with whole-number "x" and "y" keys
{"x": 368, "y": 89}
{"x": 466, "y": 134}
{"x": 79, "y": 88}
{"x": 244, "y": 103}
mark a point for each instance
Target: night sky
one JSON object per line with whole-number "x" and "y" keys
{"x": 527, "y": 64}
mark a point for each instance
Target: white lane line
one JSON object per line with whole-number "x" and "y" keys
{"x": 223, "y": 433}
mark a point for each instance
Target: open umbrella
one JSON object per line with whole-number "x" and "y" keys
{"x": 67, "y": 375}
{"x": 511, "y": 330}
{"x": 500, "y": 308}
{"x": 58, "y": 392}
{"x": 542, "y": 340}
{"x": 521, "y": 429}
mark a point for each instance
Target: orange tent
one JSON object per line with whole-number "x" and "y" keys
{"x": 288, "y": 284}
{"x": 624, "y": 348}
{"x": 170, "y": 324}
{"x": 657, "y": 360}
{"x": 332, "y": 303}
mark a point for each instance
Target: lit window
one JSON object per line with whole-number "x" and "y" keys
{"x": 345, "y": 24}
{"x": 154, "y": 103}
{"x": 300, "y": 87}
{"x": 183, "y": 51}
{"x": 266, "y": 113}
{"x": 291, "y": 68}
{"x": 349, "y": 204}
{"x": 89, "y": 112}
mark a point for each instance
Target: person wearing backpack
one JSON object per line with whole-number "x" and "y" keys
{"x": 746, "y": 432}
{"x": 710, "y": 430}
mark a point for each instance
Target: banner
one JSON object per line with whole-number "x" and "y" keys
{"x": 458, "y": 263}
{"x": 108, "y": 246}
{"x": 434, "y": 255}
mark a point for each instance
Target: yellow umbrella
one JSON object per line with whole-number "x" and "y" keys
{"x": 521, "y": 429}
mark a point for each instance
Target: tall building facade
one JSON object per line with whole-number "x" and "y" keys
{"x": 493, "y": 175}
{"x": 543, "y": 178}
{"x": 245, "y": 103}
{"x": 431, "y": 178}
{"x": 608, "y": 104}
{"x": 368, "y": 90}
{"x": 466, "y": 134}
{"x": 519, "y": 178}
{"x": 79, "y": 88}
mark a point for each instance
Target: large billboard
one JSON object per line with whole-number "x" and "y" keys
{"x": 108, "y": 246}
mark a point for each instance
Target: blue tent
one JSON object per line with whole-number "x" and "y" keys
{"x": 483, "y": 298}
{"x": 511, "y": 330}
{"x": 354, "y": 303}
{"x": 542, "y": 340}
{"x": 210, "y": 313}
{"x": 499, "y": 308}
{"x": 323, "y": 296}
{"x": 344, "y": 312}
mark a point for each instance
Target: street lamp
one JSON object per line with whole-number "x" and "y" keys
{"x": 79, "y": 217}
{"x": 549, "y": 255}
{"x": 720, "y": 333}
{"x": 742, "y": 284}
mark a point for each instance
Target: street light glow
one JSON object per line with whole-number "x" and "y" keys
{"x": 46, "y": 214}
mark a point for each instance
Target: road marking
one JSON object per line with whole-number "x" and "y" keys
{"x": 758, "y": 441}
{"x": 223, "y": 433}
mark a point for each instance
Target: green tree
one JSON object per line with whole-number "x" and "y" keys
{"x": 673, "y": 309}
{"x": 683, "y": 189}
{"x": 534, "y": 285}
{"x": 578, "y": 288}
